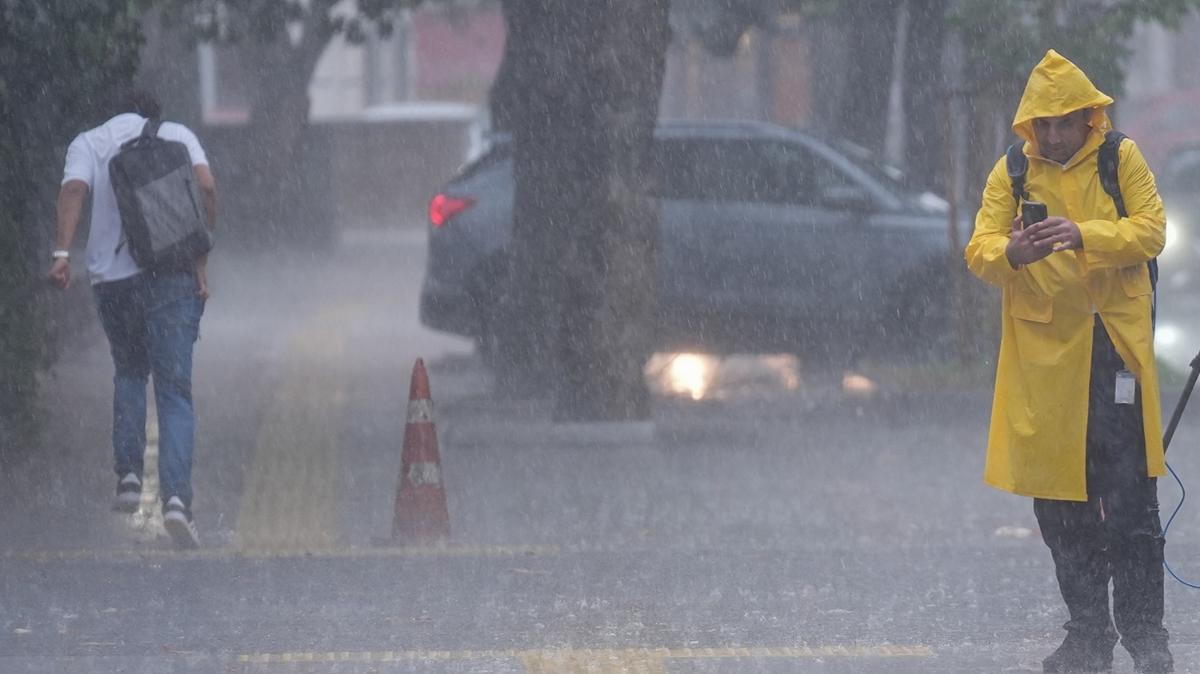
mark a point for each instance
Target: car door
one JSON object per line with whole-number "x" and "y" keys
{"x": 810, "y": 235}
{"x": 700, "y": 188}
{"x": 747, "y": 239}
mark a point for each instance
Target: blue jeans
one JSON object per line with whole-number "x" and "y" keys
{"x": 152, "y": 321}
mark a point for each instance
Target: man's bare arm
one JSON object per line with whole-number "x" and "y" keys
{"x": 208, "y": 193}
{"x": 69, "y": 209}
{"x": 208, "y": 197}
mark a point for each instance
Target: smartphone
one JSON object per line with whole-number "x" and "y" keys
{"x": 1032, "y": 212}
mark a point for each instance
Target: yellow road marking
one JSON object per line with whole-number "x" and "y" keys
{"x": 600, "y": 660}
{"x": 631, "y": 661}
{"x": 116, "y": 555}
{"x": 289, "y": 498}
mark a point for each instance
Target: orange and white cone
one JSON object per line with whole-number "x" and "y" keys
{"x": 420, "y": 515}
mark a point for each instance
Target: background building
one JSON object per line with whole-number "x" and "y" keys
{"x": 397, "y": 115}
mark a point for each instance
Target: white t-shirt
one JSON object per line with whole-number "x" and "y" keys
{"x": 87, "y": 160}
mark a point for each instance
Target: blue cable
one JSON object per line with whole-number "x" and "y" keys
{"x": 1182, "y": 498}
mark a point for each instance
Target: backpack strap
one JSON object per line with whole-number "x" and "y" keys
{"x": 1108, "y": 162}
{"x": 150, "y": 130}
{"x": 1018, "y": 165}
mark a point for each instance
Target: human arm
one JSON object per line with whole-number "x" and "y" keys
{"x": 1133, "y": 239}
{"x": 208, "y": 193}
{"x": 72, "y": 194}
{"x": 998, "y": 246}
{"x": 201, "y": 268}
{"x": 208, "y": 199}
{"x": 68, "y": 211}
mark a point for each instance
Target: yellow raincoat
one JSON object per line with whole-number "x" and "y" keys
{"x": 1036, "y": 444}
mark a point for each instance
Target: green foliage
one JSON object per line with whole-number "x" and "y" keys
{"x": 1006, "y": 38}
{"x": 60, "y": 61}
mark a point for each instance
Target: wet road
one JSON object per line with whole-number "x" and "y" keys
{"x": 774, "y": 525}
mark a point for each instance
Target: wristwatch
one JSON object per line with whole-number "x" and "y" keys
{"x": 60, "y": 254}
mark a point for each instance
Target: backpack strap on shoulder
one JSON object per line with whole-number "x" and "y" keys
{"x": 150, "y": 130}
{"x": 1108, "y": 163}
{"x": 1018, "y": 165}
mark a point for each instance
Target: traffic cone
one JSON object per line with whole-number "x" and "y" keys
{"x": 420, "y": 515}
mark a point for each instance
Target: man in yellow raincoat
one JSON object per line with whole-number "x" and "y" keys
{"x": 1076, "y": 420}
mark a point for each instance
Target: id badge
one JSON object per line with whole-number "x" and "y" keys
{"x": 1126, "y": 384}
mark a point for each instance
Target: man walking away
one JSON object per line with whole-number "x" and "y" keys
{"x": 1076, "y": 420}
{"x": 150, "y": 316}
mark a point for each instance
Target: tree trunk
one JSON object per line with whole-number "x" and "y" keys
{"x": 583, "y": 281}
{"x": 869, "y": 26}
{"x": 278, "y": 117}
{"x": 282, "y": 171}
{"x": 923, "y": 91}
{"x": 957, "y": 169}
{"x": 527, "y": 316}
{"x": 896, "y": 128}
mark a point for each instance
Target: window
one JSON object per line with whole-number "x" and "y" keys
{"x": 742, "y": 170}
{"x": 798, "y": 176}
{"x": 707, "y": 170}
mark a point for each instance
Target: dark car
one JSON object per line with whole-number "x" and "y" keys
{"x": 772, "y": 240}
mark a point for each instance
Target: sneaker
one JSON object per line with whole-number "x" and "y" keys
{"x": 129, "y": 493}
{"x": 177, "y": 518}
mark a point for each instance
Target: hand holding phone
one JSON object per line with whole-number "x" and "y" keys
{"x": 1033, "y": 212}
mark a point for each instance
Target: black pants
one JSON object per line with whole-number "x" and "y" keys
{"x": 1117, "y": 533}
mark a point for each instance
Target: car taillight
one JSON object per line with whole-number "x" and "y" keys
{"x": 443, "y": 208}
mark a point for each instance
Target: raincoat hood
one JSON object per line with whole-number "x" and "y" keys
{"x": 1057, "y": 87}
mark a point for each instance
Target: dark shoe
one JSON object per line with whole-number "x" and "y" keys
{"x": 1080, "y": 653}
{"x": 177, "y": 519}
{"x": 129, "y": 494}
{"x": 1150, "y": 656}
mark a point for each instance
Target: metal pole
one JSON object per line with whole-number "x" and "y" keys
{"x": 1183, "y": 401}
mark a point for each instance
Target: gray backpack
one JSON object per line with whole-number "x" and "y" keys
{"x": 159, "y": 202}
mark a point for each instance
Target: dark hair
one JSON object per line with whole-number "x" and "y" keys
{"x": 140, "y": 101}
